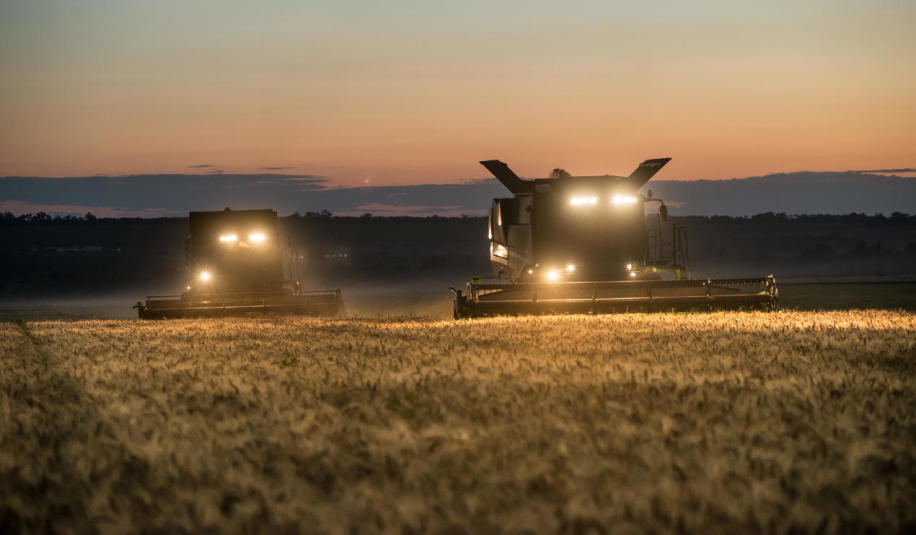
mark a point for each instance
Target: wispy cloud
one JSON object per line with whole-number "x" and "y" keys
{"x": 275, "y": 168}
{"x": 383, "y": 209}
{"x": 200, "y": 166}
{"x": 899, "y": 170}
{"x": 19, "y": 208}
{"x": 177, "y": 194}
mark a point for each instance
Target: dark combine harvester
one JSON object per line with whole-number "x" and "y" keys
{"x": 239, "y": 265}
{"x": 585, "y": 245}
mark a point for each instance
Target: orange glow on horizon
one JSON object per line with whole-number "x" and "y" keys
{"x": 728, "y": 93}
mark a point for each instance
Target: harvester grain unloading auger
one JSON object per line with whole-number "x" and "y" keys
{"x": 240, "y": 266}
{"x": 585, "y": 245}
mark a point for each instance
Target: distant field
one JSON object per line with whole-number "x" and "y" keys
{"x": 848, "y": 295}
{"x": 727, "y": 422}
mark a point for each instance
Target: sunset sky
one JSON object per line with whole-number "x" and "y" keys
{"x": 388, "y": 93}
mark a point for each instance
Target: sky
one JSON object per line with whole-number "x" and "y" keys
{"x": 401, "y": 93}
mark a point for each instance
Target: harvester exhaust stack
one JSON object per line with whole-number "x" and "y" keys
{"x": 239, "y": 265}
{"x": 585, "y": 244}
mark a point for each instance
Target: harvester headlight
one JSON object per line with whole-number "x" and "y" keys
{"x": 530, "y": 271}
{"x": 570, "y": 268}
{"x": 629, "y": 267}
{"x": 204, "y": 276}
{"x": 623, "y": 199}
{"x": 257, "y": 237}
{"x": 228, "y": 238}
{"x": 632, "y": 273}
{"x": 499, "y": 250}
{"x": 553, "y": 275}
{"x": 583, "y": 201}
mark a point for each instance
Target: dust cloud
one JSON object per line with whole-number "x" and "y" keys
{"x": 431, "y": 300}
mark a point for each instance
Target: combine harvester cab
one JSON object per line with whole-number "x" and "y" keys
{"x": 586, "y": 245}
{"x": 240, "y": 265}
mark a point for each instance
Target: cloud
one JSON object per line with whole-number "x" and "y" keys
{"x": 19, "y": 208}
{"x": 900, "y": 170}
{"x": 178, "y": 194}
{"x": 383, "y": 209}
{"x": 200, "y": 166}
{"x": 275, "y": 168}
{"x": 304, "y": 178}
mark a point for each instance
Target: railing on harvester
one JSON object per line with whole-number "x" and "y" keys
{"x": 667, "y": 246}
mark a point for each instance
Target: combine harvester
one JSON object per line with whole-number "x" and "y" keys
{"x": 240, "y": 266}
{"x": 586, "y": 245}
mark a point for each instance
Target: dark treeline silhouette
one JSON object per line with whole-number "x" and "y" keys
{"x": 43, "y": 255}
{"x": 8, "y": 218}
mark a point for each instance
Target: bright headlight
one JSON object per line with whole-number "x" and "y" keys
{"x": 228, "y": 238}
{"x": 623, "y": 199}
{"x": 583, "y": 201}
{"x": 256, "y": 237}
{"x": 553, "y": 275}
{"x": 204, "y": 276}
{"x": 570, "y": 268}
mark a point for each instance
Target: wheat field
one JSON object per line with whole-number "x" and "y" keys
{"x": 724, "y": 422}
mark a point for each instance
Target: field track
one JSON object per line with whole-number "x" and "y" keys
{"x": 726, "y": 422}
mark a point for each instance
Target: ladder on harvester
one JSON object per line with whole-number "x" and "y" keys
{"x": 668, "y": 248}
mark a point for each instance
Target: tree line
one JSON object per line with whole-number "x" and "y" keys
{"x": 43, "y": 218}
